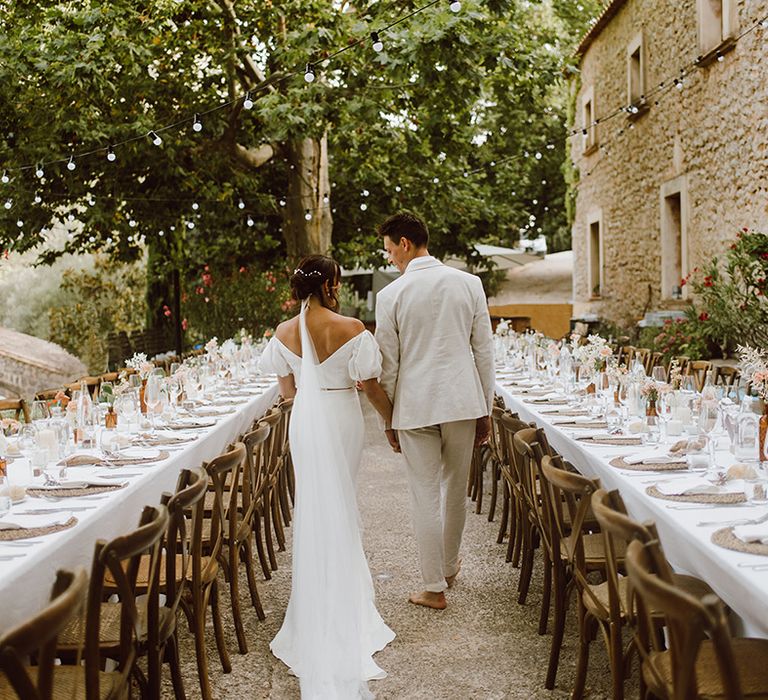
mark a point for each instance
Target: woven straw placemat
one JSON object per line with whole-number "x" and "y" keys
{"x": 724, "y": 498}
{"x": 25, "y": 533}
{"x": 726, "y": 539}
{"x": 608, "y": 440}
{"x": 73, "y": 493}
{"x": 547, "y": 402}
{"x": 93, "y": 461}
{"x": 188, "y": 426}
{"x": 655, "y": 467}
{"x": 571, "y": 412}
{"x": 597, "y": 424}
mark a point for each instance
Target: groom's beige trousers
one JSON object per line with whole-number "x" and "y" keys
{"x": 437, "y": 459}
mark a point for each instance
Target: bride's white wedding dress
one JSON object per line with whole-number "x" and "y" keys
{"x": 331, "y": 628}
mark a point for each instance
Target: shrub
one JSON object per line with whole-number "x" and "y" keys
{"x": 731, "y": 306}
{"x": 108, "y": 299}
{"x": 221, "y": 302}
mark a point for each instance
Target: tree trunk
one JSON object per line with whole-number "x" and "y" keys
{"x": 308, "y": 193}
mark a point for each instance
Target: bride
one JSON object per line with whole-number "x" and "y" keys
{"x": 331, "y": 628}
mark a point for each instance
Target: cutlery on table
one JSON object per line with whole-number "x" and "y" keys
{"x": 9, "y": 557}
{"x": 734, "y": 523}
{"x": 48, "y": 511}
{"x": 697, "y": 506}
{"x": 21, "y": 543}
{"x": 59, "y": 499}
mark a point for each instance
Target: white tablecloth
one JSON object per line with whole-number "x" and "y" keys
{"x": 686, "y": 545}
{"x": 25, "y": 583}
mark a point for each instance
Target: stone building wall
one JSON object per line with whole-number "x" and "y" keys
{"x": 710, "y": 139}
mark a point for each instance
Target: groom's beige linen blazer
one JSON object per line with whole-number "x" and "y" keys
{"x": 434, "y": 331}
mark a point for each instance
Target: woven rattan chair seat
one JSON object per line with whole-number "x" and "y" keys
{"x": 594, "y": 550}
{"x": 68, "y": 684}
{"x": 143, "y": 574}
{"x": 109, "y": 630}
{"x": 690, "y": 584}
{"x": 751, "y": 656}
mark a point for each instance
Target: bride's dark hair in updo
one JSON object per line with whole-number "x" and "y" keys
{"x": 311, "y": 274}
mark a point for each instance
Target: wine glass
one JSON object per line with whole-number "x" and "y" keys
{"x": 708, "y": 415}
{"x": 174, "y": 368}
{"x": 152, "y": 397}
{"x": 126, "y": 407}
{"x": 659, "y": 375}
{"x": 40, "y": 410}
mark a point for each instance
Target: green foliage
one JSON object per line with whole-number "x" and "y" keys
{"x": 450, "y": 92}
{"x": 679, "y": 337}
{"x": 731, "y": 306}
{"x": 107, "y": 300}
{"x": 221, "y": 301}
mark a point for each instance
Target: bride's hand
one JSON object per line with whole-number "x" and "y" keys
{"x": 392, "y": 438}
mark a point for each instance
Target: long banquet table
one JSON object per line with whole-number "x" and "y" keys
{"x": 686, "y": 545}
{"x": 25, "y": 583}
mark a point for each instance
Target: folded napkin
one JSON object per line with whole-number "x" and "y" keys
{"x": 26, "y": 522}
{"x": 655, "y": 457}
{"x": 80, "y": 460}
{"x": 81, "y": 483}
{"x": 692, "y": 486}
{"x": 752, "y": 533}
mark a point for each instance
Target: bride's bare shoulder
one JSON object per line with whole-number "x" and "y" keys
{"x": 349, "y": 326}
{"x": 288, "y": 330}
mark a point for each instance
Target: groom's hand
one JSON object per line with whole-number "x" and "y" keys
{"x": 482, "y": 430}
{"x": 392, "y": 439}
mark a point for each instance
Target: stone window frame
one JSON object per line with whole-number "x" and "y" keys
{"x": 589, "y": 130}
{"x": 711, "y": 50}
{"x": 595, "y": 216}
{"x": 637, "y": 101}
{"x": 675, "y": 186}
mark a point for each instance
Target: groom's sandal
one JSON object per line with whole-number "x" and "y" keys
{"x": 428, "y": 599}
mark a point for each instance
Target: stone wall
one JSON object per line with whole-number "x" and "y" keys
{"x": 712, "y": 135}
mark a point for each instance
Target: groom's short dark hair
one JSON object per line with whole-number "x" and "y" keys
{"x": 405, "y": 224}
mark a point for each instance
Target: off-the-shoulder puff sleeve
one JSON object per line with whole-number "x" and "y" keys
{"x": 273, "y": 361}
{"x": 365, "y": 362}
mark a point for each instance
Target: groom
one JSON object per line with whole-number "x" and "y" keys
{"x": 433, "y": 327}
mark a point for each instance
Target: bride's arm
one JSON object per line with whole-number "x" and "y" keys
{"x": 379, "y": 400}
{"x": 287, "y": 386}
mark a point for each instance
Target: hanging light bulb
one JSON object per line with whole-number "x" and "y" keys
{"x": 248, "y": 102}
{"x": 378, "y": 46}
{"x": 241, "y": 204}
{"x": 326, "y": 200}
{"x": 309, "y": 73}
{"x": 39, "y": 171}
{"x": 111, "y": 154}
{"x": 91, "y": 202}
{"x": 71, "y": 164}
{"x": 132, "y": 223}
{"x": 161, "y": 233}
{"x": 764, "y": 23}
{"x": 398, "y": 188}
{"x": 19, "y": 223}
{"x": 195, "y": 206}
{"x": 38, "y": 199}
{"x": 5, "y": 179}
{"x": 190, "y": 225}
{"x": 466, "y": 174}
{"x": 8, "y": 203}
{"x": 308, "y": 215}
{"x": 155, "y": 138}
{"x": 197, "y": 125}
{"x": 435, "y": 180}
{"x": 363, "y": 206}
{"x": 250, "y": 221}
{"x": 455, "y": 5}
{"x": 282, "y": 202}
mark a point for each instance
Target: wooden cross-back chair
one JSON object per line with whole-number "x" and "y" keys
{"x": 702, "y": 659}
{"x": 285, "y": 479}
{"x": 174, "y": 572}
{"x": 118, "y": 630}
{"x": 727, "y": 376}
{"x": 18, "y": 407}
{"x": 576, "y": 553}
{"x": 501, "y": 446}
{"x": 37, "y": 637}
{"x": 698, "y": 369}
{"x": 269, "y": 508}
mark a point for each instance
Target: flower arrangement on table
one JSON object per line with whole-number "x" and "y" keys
{"x": 594, "y": 353}
{"x": 212, "y": 346}
{"x": 615, "y": 371}
{"x": 754, "y": 366}
{"x": 140, "y": 364}
{"x": 502, "y": 327}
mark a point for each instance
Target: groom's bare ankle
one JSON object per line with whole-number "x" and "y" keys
{"x": 428, "y": 599}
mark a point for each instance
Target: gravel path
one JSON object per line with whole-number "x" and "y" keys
{"x": 484, "y": 646}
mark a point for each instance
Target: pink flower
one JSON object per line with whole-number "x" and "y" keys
{"x": 605, "y": 351}
{"x": 184, "y": 324}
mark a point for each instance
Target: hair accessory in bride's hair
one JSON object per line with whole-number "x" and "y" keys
{"x": 314, "y": 273}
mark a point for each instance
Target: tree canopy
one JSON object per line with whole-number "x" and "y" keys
{"x": 480, "y": 91}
